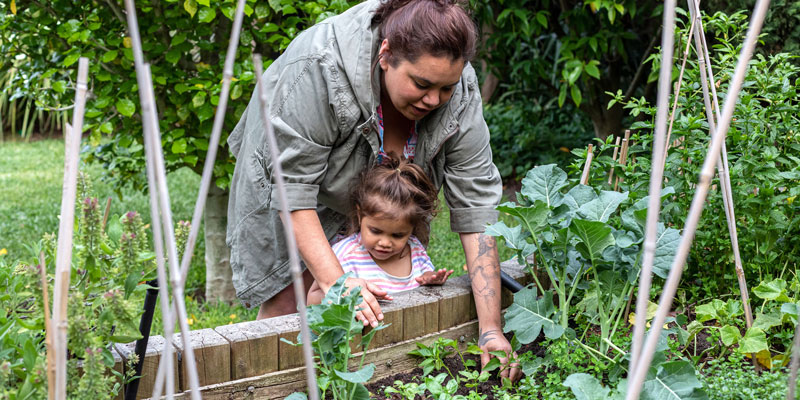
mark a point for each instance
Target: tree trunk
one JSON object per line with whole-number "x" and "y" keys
{"x": 219, "y": 286}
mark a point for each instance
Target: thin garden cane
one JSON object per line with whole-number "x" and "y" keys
{"x": 158, "y": 244}
{"x": 656, "y": 179}
{"x": 706, "y": 73}
{"x": 678, "y": 85}
{"x": 166, "y": 216}
{"x": 48, "y": 329}
{"x": 588, "y": 166}
{"x": 65, "y": 231}
{"x": 792, "y": 385}
{"x": 646, "y": 356}
{"x": 211, "y": 155}
{"x": 151, "y": 129}
{"x": 294, "y": 259}
{"x": 614, "y": 158}
{"x": 623, "y": 156}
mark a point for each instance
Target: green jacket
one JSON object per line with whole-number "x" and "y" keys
{"x": 323, "y": 93}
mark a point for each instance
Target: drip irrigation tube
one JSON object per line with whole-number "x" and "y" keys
{"x": 132, "y": 388}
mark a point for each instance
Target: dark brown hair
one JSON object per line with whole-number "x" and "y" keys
{"x": 395, "y": 189}
{"x": 418, "y": 27}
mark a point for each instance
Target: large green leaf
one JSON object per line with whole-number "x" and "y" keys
{"x": 633, "y": 222}
{"x": 729, "y": 335}
{"x": 601, "y": 208}
{"x": 753, "y": 341}
{"x": 513, "y": 236}
{"x": 674, "y": 380}
{"x": 767, "y": 321}
{"x": 667, "y": 242}
{"x": 545, "y": 183}
{"x": 587, "y": 387}
{"x": 772, "y": 290}
{"x": 579, "y": 195}
{"x": 594, "y": 237}
{"x": 529, "y": 315}
{"x": 534, "y": 217}
{"x": 360, "y": 376}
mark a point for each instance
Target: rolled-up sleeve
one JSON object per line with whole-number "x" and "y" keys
{"x": 305, "y": 127}
{"x": 472, "y": 184}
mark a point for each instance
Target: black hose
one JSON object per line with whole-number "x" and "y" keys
{"x": 509, "y": 283}
{"x": 132, "y": 388}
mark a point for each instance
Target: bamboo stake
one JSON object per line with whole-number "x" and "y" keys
{"x": 656, "y": 177}
{"x": 151, "y": 129}
{"x": 585, "y": 176}
{"x": 623, "y": 155}
{"x": 677, "y": 94}
{"x": 65, "y": 231}
{"x": 48, "y": 330}
{"x": 614, "y": 158}
{"x": 722, "y": 165}
{"x": 696, "y": 209}
{"x": 794, "y": 364}
{"x": 294, "y": 259}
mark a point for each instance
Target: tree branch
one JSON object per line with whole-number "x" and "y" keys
{"x": 117, "y": 12}
{"x": 640, "y": 69}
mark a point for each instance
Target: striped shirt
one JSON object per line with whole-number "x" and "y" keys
{"x": 355, "y": 258}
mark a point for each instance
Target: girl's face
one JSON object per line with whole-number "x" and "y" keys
{"x": 418, "y": 88}
{"x": 385, "y": 238}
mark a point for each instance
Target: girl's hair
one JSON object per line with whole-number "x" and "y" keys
{"x": 418, "y": 27}
{"x": 395, "y": 189}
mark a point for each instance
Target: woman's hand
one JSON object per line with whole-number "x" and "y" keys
{"x": 493, "y": 340}
{"x": 434, "y": 277}
{"x": 370, "y": 312}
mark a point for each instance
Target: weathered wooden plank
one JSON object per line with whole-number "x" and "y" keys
{"x": 212, "y": 354}
{"x": 152, "y": 357}
{"x": 388, "y": 361}
{"x": 393, "y": 317}
{"x": 455, "y": 305}
{"x": 254, "y": 348}
{"x": 420, "y": 314}
{"x": 287, "y": 327}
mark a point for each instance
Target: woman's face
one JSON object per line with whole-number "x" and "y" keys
{"x": 418, "y": 88}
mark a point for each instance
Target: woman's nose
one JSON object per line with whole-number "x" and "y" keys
{"x": 431, "y": 99}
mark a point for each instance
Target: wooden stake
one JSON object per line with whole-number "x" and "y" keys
{"x": 48, "y": 330}
{"x": 65, "y": 231}
{"x": 637, "y": 376}
{"x": 623, "y": 156}
{"x": 614, "y": 158}
{"x": 585, "y": 176}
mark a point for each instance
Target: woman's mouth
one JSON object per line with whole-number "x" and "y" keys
{"x": 419, "y": 111}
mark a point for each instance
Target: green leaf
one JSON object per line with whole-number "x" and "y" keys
{"x": 767, "y": 321}
{"x": 529, "y": 315}
{"x": 190, "y": 6}
{"x": 594, "y": 237}
{"x": 592, "y": 70}
{"x": 667, "y": 242}
{"x": 601, "y": 208}
{"x": 562, "y": 95}
{"x": 236, "y": 92}
{"x": 177, "y": 39}
{"x": 106, "y": 127}
{"x": 173, "y": 56}
{"x": 125, "y": 107}
{"x": 754, "y": 340}
{"x": 109, "y": 56}
{"x": 360, "y": 376}
{"x": 541, "y": 18}
{"x": 513, "y": 236}
{"x": 206, "y": 3}
{"x": 71, "y": 58}
{"x": 577, "y": 97}
{"x": 674, "y": 380}
{"x": 206, "y": 14}
{"x": 534, "y": 217}
{"x": 60, "y": 86}
{"x": 586, "y": 387}
{"x": 729, "y": 335}
{"x": 199, "y": 99}
{"x": 772, "y": 290}
{"x": 179, "y": 146}
{"x": 544, "y": 183}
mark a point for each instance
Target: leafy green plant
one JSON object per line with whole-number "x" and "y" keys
{"x": 333, "y": 326}
{"x": 734, "y": 378}
{"x": 573, "y": 234}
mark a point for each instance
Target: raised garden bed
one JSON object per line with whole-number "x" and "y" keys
{"x": 248, "y": 360}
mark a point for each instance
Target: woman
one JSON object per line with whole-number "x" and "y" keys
{"x": 390, "y": 76}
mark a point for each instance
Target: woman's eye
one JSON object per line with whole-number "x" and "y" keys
{"x": 447, "y": 88}
{"x": 420, "y": 86}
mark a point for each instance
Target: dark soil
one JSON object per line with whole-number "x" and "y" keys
{"x": 454, "y": 364}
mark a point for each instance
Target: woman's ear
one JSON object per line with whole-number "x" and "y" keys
{"x": 384, "y": 53}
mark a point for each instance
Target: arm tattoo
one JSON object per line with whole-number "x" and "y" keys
{"x": 490, "y": 272}
{"x": 485, "y": 337}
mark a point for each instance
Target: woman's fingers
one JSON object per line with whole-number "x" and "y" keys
{"x": 515, "y": 372}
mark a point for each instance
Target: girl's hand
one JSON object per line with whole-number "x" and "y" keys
{"x": 434, "y": 277}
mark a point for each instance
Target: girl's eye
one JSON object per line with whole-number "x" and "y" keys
{"x": 398, "y": 235}
{"x": 375, "y": 231}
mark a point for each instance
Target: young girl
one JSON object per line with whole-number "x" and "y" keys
{"x": 393, "y": 203}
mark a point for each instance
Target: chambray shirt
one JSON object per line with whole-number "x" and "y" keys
{"x": 323, "y": 92}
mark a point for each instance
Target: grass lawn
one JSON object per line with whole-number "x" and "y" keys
{"x": 31, "y": 175}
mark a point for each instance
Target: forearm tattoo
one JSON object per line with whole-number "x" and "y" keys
{"x": 486, "y": 337}
{"x": 485, "y": 265}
